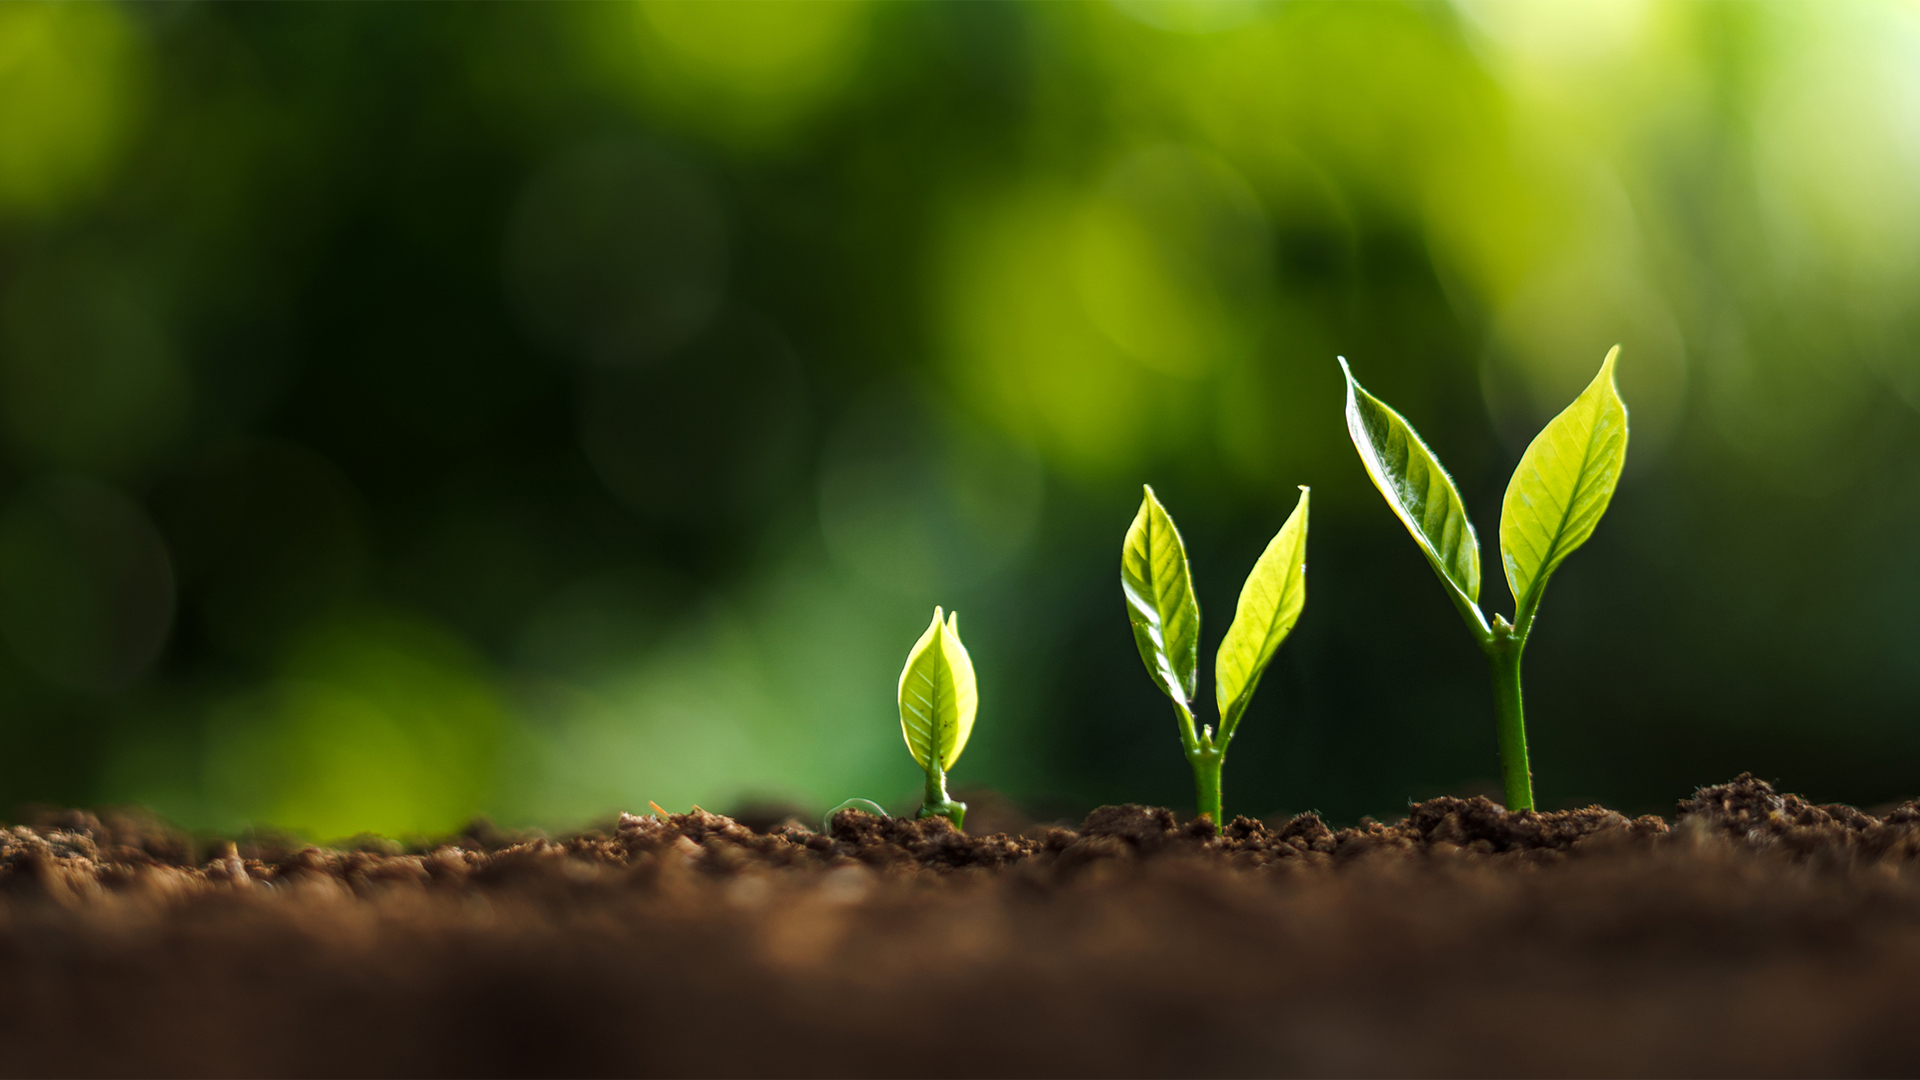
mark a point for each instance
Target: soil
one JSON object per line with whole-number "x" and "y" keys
{"x": 1754, "y": 934}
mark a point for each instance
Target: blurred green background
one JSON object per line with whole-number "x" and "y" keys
{"x": 409, "y": 412}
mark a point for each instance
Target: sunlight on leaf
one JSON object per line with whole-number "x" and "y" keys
{"x": 1562, "y": 486}
{"x": 1160, "y": 604}
{"x": 1270, "y": 603}
{"x": 1417, "y": 489}
{"x": 938, "y": 696}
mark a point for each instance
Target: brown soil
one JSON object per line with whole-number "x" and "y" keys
{"x": 1755, "y": 935}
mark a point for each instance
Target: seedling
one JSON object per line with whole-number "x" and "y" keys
{"x": 866, "y": 805}
{"x": 1166, "y": 626}
{"x": 937, "y": 702}
{"x": 1556, "y": 497}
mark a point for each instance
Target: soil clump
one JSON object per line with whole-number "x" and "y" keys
{"x": 1754, "y": 934}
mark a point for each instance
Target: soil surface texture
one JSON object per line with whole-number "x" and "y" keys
{"x": 1754, "y": 934}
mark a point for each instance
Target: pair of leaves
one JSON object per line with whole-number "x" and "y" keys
{"x": 1554, "y": 501}
{"x": 1158, "y": 586}
{"x": 938, "y": 696}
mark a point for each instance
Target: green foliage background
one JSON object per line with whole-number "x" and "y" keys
{"x": 415, "y": 411}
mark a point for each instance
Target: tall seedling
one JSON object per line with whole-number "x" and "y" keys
{"x": 1556, "y": 497}
{"x": 1166, "y": 626}
{"x": 937, "y": 702}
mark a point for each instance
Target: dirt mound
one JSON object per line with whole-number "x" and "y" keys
{"x": 1756, "y": 934}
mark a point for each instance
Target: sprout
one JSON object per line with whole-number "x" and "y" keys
{"x": 937, "y": 702}
{"x": 1166, "y": 626}
{"x": 863, "y": 805}
{"x": 1557, "y": 494}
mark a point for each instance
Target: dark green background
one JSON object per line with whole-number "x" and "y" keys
{"x": 416, "y": 411}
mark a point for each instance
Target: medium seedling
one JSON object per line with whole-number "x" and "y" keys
{"x": 1557, "y": 494}
{"x": 1166, "y": 626}
{"x": 937, "y": 701}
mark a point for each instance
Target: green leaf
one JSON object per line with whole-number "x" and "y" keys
{"x": 1419, "y": 491}
{"x": 1160, "y": 603}
{"x": 1270, "y": 604}
{"x": 1563, "y": 485}
{"x": 938, "y": 696}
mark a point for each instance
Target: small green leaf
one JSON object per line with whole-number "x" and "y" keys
{"x": 938, "y": 696}
{"x": 1563, "y": 485}
{"x": 1160, "y": 603}
{"x": 1419, "y": 491}
{"x": 1270, "y": 604}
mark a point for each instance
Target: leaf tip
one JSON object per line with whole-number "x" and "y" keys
{"x": 1353, "y": 387}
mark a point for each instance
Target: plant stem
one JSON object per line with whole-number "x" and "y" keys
{"x": 1208, "y": 760}
{"x": 1206, "y": 757}
{"x": 936, "y": 802}
{"x": 1504, "y": 648}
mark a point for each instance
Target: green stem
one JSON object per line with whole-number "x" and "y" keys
{"x": 1207, "y": 761}
{"x": 1189, "y": 742}
{"x": 1206, "y": 757}
{"x": 936, "y": 802}
{"x": 1504, "y": 649}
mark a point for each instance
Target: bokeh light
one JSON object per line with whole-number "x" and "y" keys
{"x": 409, "y": 414}
{"x": 68, "y": 92}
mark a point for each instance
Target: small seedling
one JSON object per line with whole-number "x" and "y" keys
{"x": 937, "y": 702}
{"x": 1557, "y": 494}
{"x": 864, "y": 805}
{"x": 1166, "y": 626}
